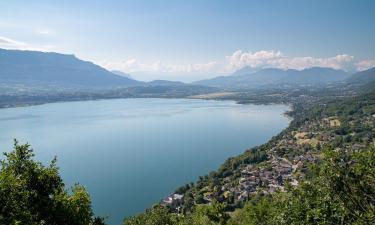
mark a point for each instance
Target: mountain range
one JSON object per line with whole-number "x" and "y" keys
{"x": 363, "y": 77}
{"x": 32, "y": 67}
{"x": 67, "y": 71}
{"x": 249, "y": 78}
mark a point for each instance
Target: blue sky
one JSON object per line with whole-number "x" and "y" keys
{"x": 189, "y": 40}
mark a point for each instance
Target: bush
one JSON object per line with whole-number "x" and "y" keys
{"x": 34, "y": 194}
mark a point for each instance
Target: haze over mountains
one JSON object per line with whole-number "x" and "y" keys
{"x": 363, "y": 77}
{"x": 32, "y": 67}
{"x": 120, "y": 73}
{"x": 67, "y": 71}
{"x": 248, "y": 77}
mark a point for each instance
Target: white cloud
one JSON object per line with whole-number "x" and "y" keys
{"x": 133, "y": 65}
{"x": 235, "y": 61}
{"x": 276, "y": 59}
{"x": 8, "y": 43}
{"x": 239, "y": 59}
{"x": 365, "y": 64}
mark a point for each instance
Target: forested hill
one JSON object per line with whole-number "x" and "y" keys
{"x": 320, "y": 170}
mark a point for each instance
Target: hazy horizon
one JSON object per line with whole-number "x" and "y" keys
{"x": 194, "y": 40}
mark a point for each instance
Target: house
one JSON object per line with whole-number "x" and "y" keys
{"x": 173, "y": 200}
{"x": 334, "y": 123}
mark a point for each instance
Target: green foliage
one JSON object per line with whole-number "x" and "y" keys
{"x": 342, "y": 192}
{"x": 34, "y": 194}
{"x": 209, "y": 214}
{"x": 248, "y": 157}
{"x": 155, "y": 216}
{"x": 213, "y": 214}
{"x": 259, "y": 212}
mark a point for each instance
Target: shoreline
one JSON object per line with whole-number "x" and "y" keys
{"x": 231, "y": 102}
{"x": 21, "y": 105}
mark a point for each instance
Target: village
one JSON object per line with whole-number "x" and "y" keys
{"x": 287, "y": 162}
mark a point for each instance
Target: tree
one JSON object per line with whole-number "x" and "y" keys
{"x": 213, "y": 214}
{"x": 258, "y": 212}
{"x": 34, "y": 194}
{"x": 341, "y": 192}
{"x": 157, "y": 215}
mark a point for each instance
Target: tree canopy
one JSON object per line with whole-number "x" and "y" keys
{"x": 34, "y": 194}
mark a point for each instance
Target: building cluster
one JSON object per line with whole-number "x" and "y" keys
{"x": 288, "y": 158}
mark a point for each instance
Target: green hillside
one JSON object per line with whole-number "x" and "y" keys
{"x": 320, "y": 170}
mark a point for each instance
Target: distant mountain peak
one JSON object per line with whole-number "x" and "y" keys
{"x": 246, "y": 70}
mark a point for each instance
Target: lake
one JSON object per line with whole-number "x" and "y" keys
{"x": 130, "y": 153}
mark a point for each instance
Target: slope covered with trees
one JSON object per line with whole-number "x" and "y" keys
{"x": 320, "y": 170}
{"x": 340, "y": 190}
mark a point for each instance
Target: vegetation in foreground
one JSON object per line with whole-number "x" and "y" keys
{"x": 34, "y": 194}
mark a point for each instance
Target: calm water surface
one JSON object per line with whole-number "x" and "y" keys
{"x": 130, "y": 153}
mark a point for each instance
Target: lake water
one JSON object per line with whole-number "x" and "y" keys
{"x": 130, "y": 153}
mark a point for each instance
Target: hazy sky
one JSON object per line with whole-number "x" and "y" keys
{"x": 189, "y": 40}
